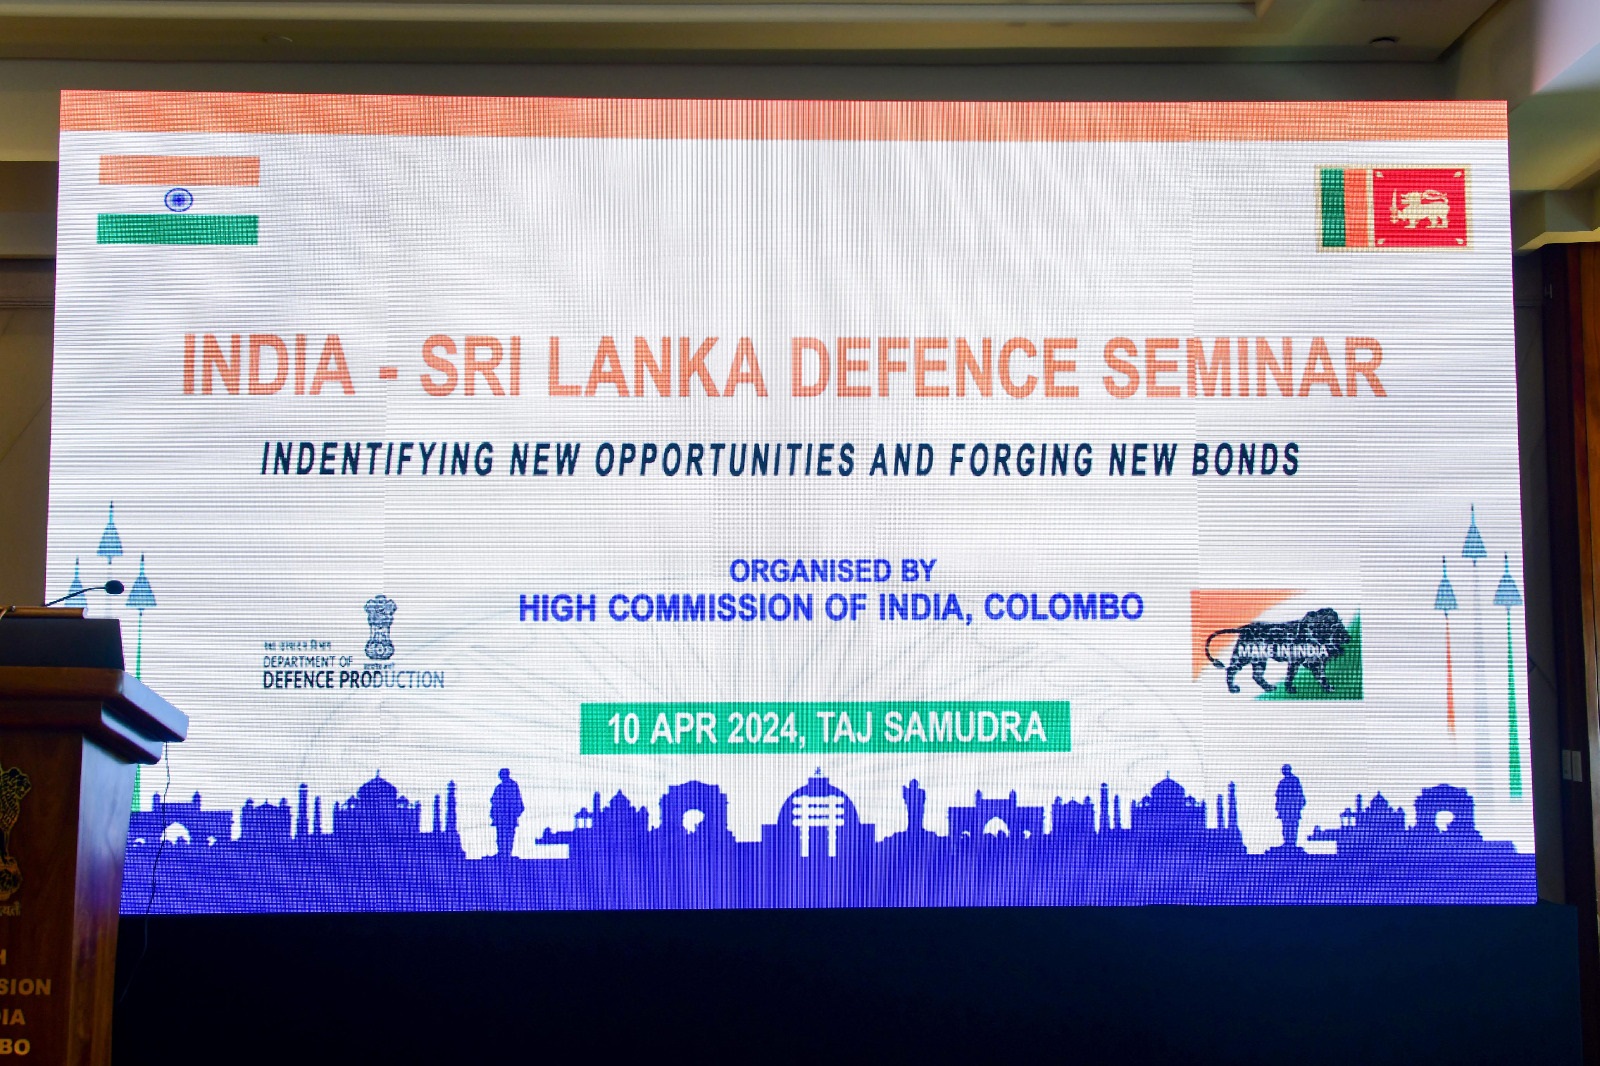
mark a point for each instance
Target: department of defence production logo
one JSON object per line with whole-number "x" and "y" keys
{"x": 310, "y": 665}
{"x": 380, "y": 616}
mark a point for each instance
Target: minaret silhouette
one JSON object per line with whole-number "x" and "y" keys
{"x": 1444, "y": 601}
{"x": 1105, "y": 808}
{"x": 316, "y": 817}
{"x": 301, "y": 825}
{"x": 110, "y": 540}
{"x": 1222, "y": 822}
{"x": 1233, "y": 812}
{"x": 1507, "y": 595}
{"x": 1483, "y": 732}
{"x": 450, "y": 810}
{"x": 436, "y": 826}
{"x": 1116, "y": 812}
{"x": 75, "y": 590}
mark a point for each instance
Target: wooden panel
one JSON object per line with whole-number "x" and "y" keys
{"x": 67, "y": 738}
{"x": 1572, "y": 406}
{"x": 104, "y": 797}
{"x": 82, "y": 693}
{"x": 58, "y": 920}
{"x": 1584, "y": 342}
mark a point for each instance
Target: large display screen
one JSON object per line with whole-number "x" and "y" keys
{"x": 581, "y": 503}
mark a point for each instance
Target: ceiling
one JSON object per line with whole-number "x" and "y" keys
{"x": 1542, "y": 56}
{"x": 509, "y": 30}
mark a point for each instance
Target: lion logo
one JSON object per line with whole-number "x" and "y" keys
{"x": 1310, "y": 643}
{"x": 1427, "y": 205}
{"x": 14, "y": 784}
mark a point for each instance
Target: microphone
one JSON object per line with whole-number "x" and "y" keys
{"x": 110, "y": 588}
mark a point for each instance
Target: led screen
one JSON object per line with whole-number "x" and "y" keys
{"x": 575, "y": 503}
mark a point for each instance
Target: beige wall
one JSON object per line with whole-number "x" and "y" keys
{"x": 30, "y": 89}
{"x": 25, "y": 335}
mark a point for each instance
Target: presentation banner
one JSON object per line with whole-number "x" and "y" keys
{"x": 582, "y": 503}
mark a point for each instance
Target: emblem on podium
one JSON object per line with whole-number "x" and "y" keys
{"x": 14, "y": 784}
{"x": 380, "y": 615}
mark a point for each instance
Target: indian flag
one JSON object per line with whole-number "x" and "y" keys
{"x": 1346, "y": 194}
{"x": 177, "y": 186}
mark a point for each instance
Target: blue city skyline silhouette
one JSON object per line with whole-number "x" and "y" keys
{"x": 375, "y": 853}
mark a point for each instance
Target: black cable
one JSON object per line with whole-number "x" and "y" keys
{"x": 150, "y": 902}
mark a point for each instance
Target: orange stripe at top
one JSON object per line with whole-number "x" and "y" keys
{"x": 1358, "y": 208}
{"x": 180, "y": 170}
{"x": 860, "y": 120}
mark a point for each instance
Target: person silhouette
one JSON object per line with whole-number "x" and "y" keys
{"x": 1290, "y": 801}
{"x": 505, "y": 810}
{"x": 916, "y": 798}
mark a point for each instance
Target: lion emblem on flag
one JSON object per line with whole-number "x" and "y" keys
{"x": 1427, "y": 205}
{"x": 1309, "y": 643}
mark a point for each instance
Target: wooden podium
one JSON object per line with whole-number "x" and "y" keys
{"x": 72, "y": 724}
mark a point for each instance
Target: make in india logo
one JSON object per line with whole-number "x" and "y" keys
{"x": 1247, "y": 634}
{"x": 186, "y": 194}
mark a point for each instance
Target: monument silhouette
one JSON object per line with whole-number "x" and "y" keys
{"x": 1289, "y": 801}
{"x": 505, "y": 811}
{"x": 379, "y": 854}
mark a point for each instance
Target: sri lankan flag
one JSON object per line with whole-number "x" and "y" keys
{"x": 1393, "y": 207}
{"x": 188, "y": 201}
